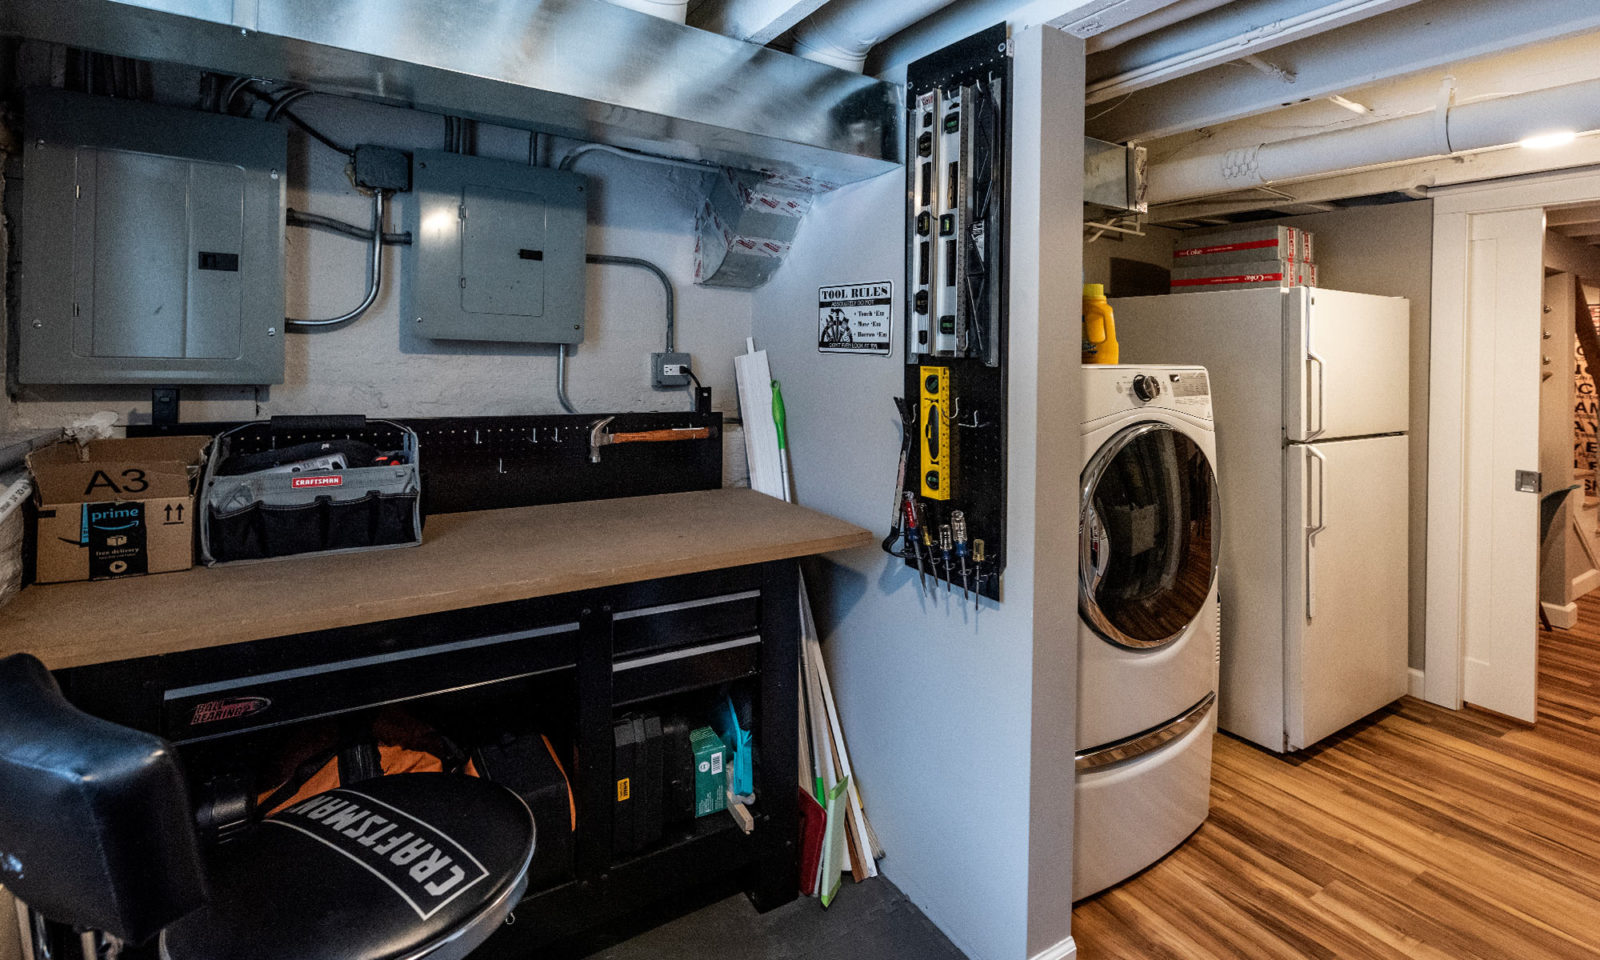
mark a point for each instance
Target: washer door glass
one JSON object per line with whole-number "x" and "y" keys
{"x": 1147, "y": 536}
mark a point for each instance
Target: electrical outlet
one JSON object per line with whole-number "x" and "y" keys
{"x": 669, "y": 369}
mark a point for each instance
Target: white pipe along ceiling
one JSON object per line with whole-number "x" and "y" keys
{"x": 841, "y": 33}
{"x": 1449, "y": 129}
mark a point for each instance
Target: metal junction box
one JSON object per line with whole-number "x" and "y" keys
{"x": 497, "y": 251}
{"x": 151, "y": 244}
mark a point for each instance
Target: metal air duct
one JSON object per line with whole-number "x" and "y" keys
{"x": 573, "y": 68}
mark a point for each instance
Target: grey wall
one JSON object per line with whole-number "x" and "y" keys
{"x": 1385, "y": 250}
{"x": 932, "y": 696}
{"x": 960, "y": 723}
{"x": 1154, "y": 247}
{"x": 1046, "y": 450}
{"x": 378, "y": 366}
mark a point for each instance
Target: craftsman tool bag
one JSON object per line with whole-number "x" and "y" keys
{"x": 310, "y": 485}
{"x": 322, "y": 756}
{"x": 358, "y": 747}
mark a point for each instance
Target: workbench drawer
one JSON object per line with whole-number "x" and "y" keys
{"x": 645, "y": 677}
{"x": 217, "y": 708}
{"x": 715, "y": 616}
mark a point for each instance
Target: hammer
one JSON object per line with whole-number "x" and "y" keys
{"x": 599, "y": 438}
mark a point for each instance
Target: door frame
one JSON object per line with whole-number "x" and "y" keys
{"x": 1451, "y": 389}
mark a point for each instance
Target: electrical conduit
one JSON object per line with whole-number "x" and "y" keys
{"x": 671, "y": 316}
{"x": 374, "y": 276}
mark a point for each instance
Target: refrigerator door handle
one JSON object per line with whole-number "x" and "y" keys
{"x": 1322, "y": 383}
{"x": 1319, "y": 477}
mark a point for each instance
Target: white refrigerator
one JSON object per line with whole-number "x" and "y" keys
{"x": 1310, "y": 389}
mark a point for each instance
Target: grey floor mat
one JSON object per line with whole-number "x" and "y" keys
{"x": 867, "y": 921}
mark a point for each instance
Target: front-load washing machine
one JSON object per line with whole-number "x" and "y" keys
{"x": 1148, "y": 618}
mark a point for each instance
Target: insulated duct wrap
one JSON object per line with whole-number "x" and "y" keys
{"x": 1480, "y": 125}
{"x": 841, "y": 33}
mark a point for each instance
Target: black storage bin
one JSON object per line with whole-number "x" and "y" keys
{"x": 528, "y": 766}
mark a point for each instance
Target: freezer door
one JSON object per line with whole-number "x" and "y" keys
{"x": 1347, "y": 364}
{"x": 1345, "y": 583}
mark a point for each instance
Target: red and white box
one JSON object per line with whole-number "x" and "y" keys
{"x": 1242, "y": 245}
{"x": 1242, "y": 276}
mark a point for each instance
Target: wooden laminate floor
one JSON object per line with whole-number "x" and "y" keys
{"x": 1418, "y": 833}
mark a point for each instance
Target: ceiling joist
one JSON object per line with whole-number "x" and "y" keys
{"x": 1416, "y": 38}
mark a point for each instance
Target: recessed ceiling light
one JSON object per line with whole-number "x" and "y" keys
{"x": 1544, "y": 141}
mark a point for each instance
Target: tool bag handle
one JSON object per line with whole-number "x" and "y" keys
{"x": 318, "y": 422}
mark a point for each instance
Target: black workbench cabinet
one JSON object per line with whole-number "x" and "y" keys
{"x": 607, "y": 650}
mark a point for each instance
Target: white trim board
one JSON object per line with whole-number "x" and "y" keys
{"x": 1415, "y": 683}
{"x": 1450, "y": 388}
{"x": 1563, "y": 616}
{"x": 1065, "y": 950}
{"x": 1585, "y": 582}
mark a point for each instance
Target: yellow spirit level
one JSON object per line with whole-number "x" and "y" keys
{"x": 937, "y": 457}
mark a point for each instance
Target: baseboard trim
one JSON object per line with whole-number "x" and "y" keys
{"x": 1414, "y": 682}
{"x": 1585, "y": 582}
{"x": 1065, "y": 950}
{"x": 1562, "y": 616}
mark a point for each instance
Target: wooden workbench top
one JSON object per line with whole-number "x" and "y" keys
{"x": 465, "y": 560}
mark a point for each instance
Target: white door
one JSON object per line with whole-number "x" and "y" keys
{"x": 1500, "y": 563}
{"x": 1348, "y": 364}
{"x": 1345, "y": 583}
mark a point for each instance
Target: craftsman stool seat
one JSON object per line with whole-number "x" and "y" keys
{"x": 96, "y": 831}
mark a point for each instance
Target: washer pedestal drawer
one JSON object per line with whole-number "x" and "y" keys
{"x": 1132, "y": 813}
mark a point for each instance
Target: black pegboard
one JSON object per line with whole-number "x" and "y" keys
{"x": 485, "y": 463}
{"x": 978, "y": 386}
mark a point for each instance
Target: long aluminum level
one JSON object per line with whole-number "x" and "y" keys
{"x": 574, "y": 68}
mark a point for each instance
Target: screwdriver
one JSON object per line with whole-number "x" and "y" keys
{"x": 977, "y": 564}
{"x": 958, "y": 527}
{"x": 944, "y": 551}
{"x": 909, "y": 505}
{"x": 927, "y": 535}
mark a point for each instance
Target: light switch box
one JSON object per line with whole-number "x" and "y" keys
{"x": 151, "y": 243}
{"x": 497, "y": 251}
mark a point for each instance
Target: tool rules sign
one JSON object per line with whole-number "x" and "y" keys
{"x": 854, "y": 318}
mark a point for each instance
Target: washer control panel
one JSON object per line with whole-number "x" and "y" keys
{"x": 1188, "y": 390}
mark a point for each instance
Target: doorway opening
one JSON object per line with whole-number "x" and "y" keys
{"x": 1510, "y": 540}
{"x": 1569, "y": 504}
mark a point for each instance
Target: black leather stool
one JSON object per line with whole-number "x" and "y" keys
{"x": 96, "y": 832}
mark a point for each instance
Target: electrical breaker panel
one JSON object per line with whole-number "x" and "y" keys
{"x": 151, "y": 244}
{"x": 497, "y": 251}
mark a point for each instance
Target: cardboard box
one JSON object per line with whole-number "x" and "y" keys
{"x": 116, "y": 508}
{"x": 710, "y": 785}
{"x": 1240, "y": 245}
{"x": 1241, "y": 276}
{"x": 15, "y": 488}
